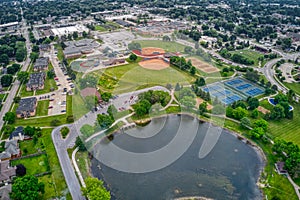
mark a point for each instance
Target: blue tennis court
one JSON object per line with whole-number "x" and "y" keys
{"x": 234, "y": 82}
{"x": 254, "y": 92}
{"x": 244, "y": 86}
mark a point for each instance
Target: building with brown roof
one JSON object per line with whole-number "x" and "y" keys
{"x": 89, "y": 91}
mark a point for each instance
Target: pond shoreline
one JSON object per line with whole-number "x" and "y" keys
{"x": 261, "y": 155}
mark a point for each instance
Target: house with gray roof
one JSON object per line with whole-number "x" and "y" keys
{"x": 17, "y": 134}
{"x": 41, "y": 64}
{"x": 27, "y": 107}
{"x": 11, "y": 151}
{"x": 45, "y": 47}
{"x": 4, "y": 192}
{"x": 6, "y": 171}
{"x": 36, "y": 81}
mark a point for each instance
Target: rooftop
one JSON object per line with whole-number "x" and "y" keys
{"x": 27, "y": 104}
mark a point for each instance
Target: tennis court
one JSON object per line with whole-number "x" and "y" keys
{"x": 218, "y": 90}
{"x": 244, "y": 87}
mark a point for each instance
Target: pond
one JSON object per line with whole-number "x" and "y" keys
{"x": 229, "y": 170}
{"x": 272, "y": 102}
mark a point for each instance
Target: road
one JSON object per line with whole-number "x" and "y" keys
{"x": 65, "y": 162}
{"x": 16, "y": 84}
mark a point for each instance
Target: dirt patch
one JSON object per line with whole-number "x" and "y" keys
{"x": 199, "y": 101}
{"x": 154, "y": 64}
{"x": 152, "y": 51}
{"x": 263, "y": 110}
{"x": 203, "y": 66}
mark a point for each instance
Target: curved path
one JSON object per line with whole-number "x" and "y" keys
{"x": 65, "y": 162}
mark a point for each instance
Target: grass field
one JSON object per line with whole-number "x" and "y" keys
{"x": 55, "y": 184}
{"x": 293, "y": 86}
{"x": 49, "y": 83}
{"x": 42, "y": 108}
{"x": 24, "y": 93}
{"x": 78, "y": 106}
{"x": 130, "y": 77}
{"x": 27, "y": 145}
{"x": 251, "y": 54}
{"x": 100, "y": 28}
{"x": 34, "y": 165}
{"x": 41, "y": 121}
{"x": 168, "y": 46}
{"x": 287, "y": 129}
{"x": 60, "y": 54}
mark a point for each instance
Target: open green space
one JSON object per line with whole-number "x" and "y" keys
{"x": 34, "y": 165}
{"x": 83, "y": 163}
{"x": 167, "y": 46}
{"x": 130, "y": 77}
{"x": 24, "y": 93}
{"x": 49, "y": 84}
{"x": 78, "y": 106}
{"x": 42, "y": 108}
{"x": 55, "y": 185}
{"x": 287, "y": 129}
{"x": 251, "y": 54}
{"x": 293, "y": 86}
{"x": 100, "y": 28}
{"x": 41, "y": 121}
{"x": 69, "y": 105}
{"x": 265, "y": 103}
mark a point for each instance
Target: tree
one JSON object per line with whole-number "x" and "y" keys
{"x": 177, "y": 87}
{"x": 188, "y": 49}
{"x": 33, "y": 56}
{"x": 255, "y": 113}
{"x": 29, "y": 131}
{"x": 23, "y": 77}
{"x": 4, "y": 59}
{"x": 261, "y": 123}
{"x": 90, "y": 102}
{"x": 200, "y": 81}
{"x": 257, "y": 132}
{"x": 35, "y": 48}
{"x": 80, "y": 144}
{"x": 27, "y": 188}
{"x": 64, "y": 131}
{"x": 142, "y": 107}
{"x": 166, "y": 38}
{"x": 193, "y": 70}
{"x": 112, "y": 110}
{"x": 95, "y": 190}
{"x": 21, "y": 170}
{"x": 106, "y": 96}
{"x": 75, "y": 35}
{"x": 132, "y": 57}
{"x": 21, "y": 54}
{"x": 245, "y": 122}
{"x": 197, "y": 45}
{"x": 134, "y": 46}
{"x": 84, "y": 34}
{"x": 277, "y": 112}
{"x": 6, "y": 80}
{"x": 202, "y": 108}
{"x": 105, "y": 121}
{"x": 239, "y": 113}
{"x": 253, "y": 103}
{"x": 188, "y": 101}
{"x": 50, "y": 74}
{"x": 9, "y": 117}
{"x": 17, "y": 99}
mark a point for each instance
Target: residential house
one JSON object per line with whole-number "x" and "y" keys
{"x": 45, "y": 47}
{"x": 27, "y": 107}
{"x": 11, "y": 150}
{"x": 6, "y": 172}
{"x": 41, "y": 64}
{"x": 4, "y": 192}
{"x": 17, "y": 134}
{"x": 36, "y": 81}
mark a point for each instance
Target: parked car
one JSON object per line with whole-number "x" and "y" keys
{"x": 63, "y": 111}
{"x": 50, "y": 107}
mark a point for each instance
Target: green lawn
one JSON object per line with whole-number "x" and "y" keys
{"x": 287, "y": 129}
{"x": 78, "y": 106}
{"x": 69, "y": 105}
{"x": 42, "y": 108}
{"x": 167, "y": 46}
{"x": 293, "y": 86}
{"x": 27, "y": 145}
{"x": 41, "y": 121}
{"x": 24, "y": 93}
{"x": 265, "y": 103}
{"x": 49, "y": 83}
{"x": 83, "y": 163}
{"x": 100, "y": 28}
{"x": 131, "y": 77}
{"x": 60, "y": 54}
{"x": 34, "y": 165}
{"x": 251, "y": 54}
